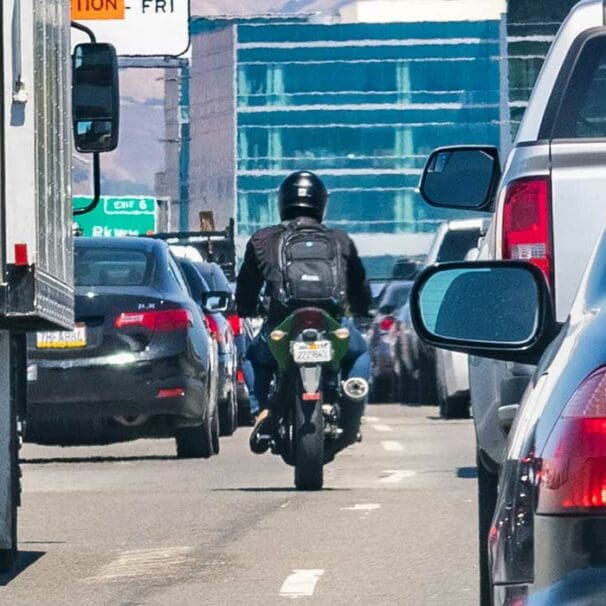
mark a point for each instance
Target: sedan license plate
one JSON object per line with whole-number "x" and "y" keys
{"x": 62, "y": 339}
{"x": 311, "y": 353}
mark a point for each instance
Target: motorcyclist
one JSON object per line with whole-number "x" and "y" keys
{"x": 302, "y": 197}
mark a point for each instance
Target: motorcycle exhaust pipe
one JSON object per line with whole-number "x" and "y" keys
{"x": 355, "y": 389}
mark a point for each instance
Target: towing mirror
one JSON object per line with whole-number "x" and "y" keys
{"x": 492, "y": 309}
{"x": 215, "y": 302}
{"x": 461, "y": 178}
{"x": 95, "y": 98}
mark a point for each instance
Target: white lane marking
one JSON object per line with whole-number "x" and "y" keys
{"x": 301, "y": 583}
{"x": 162, "y": 562}
{"x": 392, "y": 446}
{"x": 364, "y": 508}
{"x": 396, "y": 475}
{"x": 372, "y": 419}
{"x": 381, "y": 427}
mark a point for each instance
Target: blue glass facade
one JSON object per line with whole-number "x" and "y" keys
{"x": 362, "y": 104}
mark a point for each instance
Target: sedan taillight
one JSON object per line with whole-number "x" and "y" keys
{"x": 155, "y": 321}
{"x": 387, "y": 323}
{"x": 572, "y": 476}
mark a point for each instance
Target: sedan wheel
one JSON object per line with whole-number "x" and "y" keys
{"x": 195, "y": 442}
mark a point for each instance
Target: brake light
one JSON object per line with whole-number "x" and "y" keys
{"x": 158, "y": 321}
{"x": 177, "y": 392}
{"x": 213, "y": 326}
{"x": 240, "y": 376}
{"x": 387, "y": 323}
{"x": 236, "y": 324}
{"x": 527, "y": 224}
{"x": 309, "y": 317}
{"x": 572, "y": 474}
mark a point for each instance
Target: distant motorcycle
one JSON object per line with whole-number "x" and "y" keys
{"x": 308, "y": 401}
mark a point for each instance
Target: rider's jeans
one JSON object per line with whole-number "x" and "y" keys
{"x": 356, "y": 363}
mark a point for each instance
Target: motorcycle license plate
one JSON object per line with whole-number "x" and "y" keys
{"x": 311, "y": 353}
{"x": 62, "y": 339}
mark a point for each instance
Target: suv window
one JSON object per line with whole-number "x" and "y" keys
{"x": 457, "y": 243}
{"x": 582, "y": 114}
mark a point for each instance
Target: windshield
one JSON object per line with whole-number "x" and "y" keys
{"x": 457, "y": 243}
{"x": 396, "y": 295}
{"x": 112, "y": 267}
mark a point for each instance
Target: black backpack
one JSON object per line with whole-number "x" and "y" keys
{"x": 312, "y": 268}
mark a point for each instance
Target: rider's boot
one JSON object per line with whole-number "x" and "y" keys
{"x": 260, "y": 436}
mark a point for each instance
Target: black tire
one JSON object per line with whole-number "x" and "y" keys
{"x": 487, "y": 502}
{"x": 195, "y": 442}
{"x": 228, "y": 415}
{"x": 9, "y": 556}
{"x": 309, "y": 445}
{"x": 215, "y": 433}
{"x": 451, "y": 407}
{"x": 427, "y": 391}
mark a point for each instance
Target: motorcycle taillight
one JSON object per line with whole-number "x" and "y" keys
{"x": 309, "y": 317}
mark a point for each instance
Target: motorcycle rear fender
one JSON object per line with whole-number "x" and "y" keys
{"x": 310, "y": 378}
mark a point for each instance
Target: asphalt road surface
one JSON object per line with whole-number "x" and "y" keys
{"x": 129, "y": 524}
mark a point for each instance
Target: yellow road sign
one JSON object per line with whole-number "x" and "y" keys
{"x": 87, "y": 10}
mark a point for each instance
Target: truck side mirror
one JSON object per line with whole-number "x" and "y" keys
{"x": 464, "y": 178}
{"x": 95, "y": 97}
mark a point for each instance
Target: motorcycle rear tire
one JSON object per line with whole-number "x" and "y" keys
{"x": 309, "y": 445}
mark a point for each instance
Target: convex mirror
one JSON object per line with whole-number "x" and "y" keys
{"x": 461, "y": 178}
{"x": 95, "y": 98}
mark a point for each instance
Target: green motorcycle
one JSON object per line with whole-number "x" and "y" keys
{"x": 315, "y": 413}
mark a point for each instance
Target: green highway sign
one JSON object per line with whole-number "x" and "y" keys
{"x": 117, "y": 216}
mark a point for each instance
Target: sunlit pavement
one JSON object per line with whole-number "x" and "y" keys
{"x": 130, "y": 524}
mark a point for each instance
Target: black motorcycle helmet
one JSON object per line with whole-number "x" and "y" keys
{"x": 302, "y": 194}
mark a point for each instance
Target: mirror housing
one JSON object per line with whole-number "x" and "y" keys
{"x": 215, "y": 302}
{"x": 507, "y": 416}
{"x": 462, "y": 177}
{"x": 95, "y": 98}
{"x": 477, "y": 306}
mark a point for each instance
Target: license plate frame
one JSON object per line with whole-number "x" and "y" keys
{"x": 314, "y": 352}
{"x": 63, "y": 339}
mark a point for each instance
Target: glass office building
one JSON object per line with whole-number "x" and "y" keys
{"x": 362, "y": 104}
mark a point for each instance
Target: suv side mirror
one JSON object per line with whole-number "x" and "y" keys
{"x": 215, "y": 302}
{"x": 464, "y": 178}
{"x": 95, "y": 97}
{"x": 492, "y": 309}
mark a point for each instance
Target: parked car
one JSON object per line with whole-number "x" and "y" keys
{"x": 137, "y": 363}
{"x": 382, "y": 339}
{"x": 220, "y": 332}
{"x": 429, "y": 376}
{"x": 548, "y": 532}
{"x": 547, "y": 207}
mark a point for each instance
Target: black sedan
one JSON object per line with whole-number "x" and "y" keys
{"x": 547, "y": 542}
{"x": 136, "y": 364}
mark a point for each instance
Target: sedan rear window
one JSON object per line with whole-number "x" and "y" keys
{"x": 112, "y": 267}
{"x": 457, "y": 243}
{"x": 396, "y": 295}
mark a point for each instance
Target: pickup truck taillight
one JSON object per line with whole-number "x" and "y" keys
{"x": 527, "y": 233}
{"x": 572, "y": 473}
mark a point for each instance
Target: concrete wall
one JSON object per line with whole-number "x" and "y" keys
{"x": 212, "y": 164}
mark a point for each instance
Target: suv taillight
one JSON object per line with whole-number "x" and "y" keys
{"x": 213, "y": 327}
{"x": 572, "y": 474}
{"x": 527, "y": 224}
{"x": 155, "y": 321}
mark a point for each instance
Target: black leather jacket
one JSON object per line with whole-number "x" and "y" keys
{"x": 261, "y": 261}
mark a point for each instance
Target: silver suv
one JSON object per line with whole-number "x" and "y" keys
{"x": 549, "y": 208}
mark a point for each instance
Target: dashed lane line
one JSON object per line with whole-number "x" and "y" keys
{"x": 381, "y": 427}
{"x": 301, "y": 583}
{"x": 392, "y": 446}
{"x": 393, "y": 476}
{"x": 160, "y": 562}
